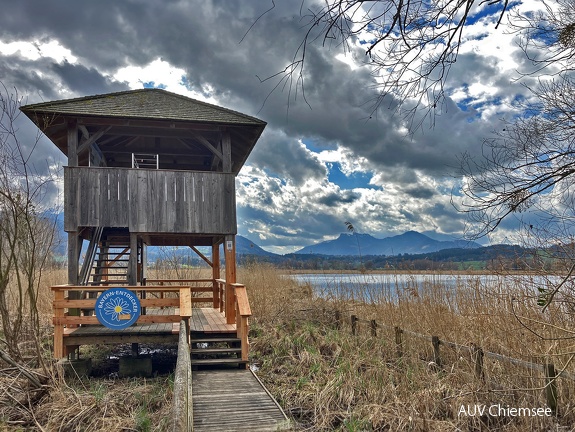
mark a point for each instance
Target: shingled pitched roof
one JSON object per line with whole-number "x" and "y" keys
{"x": 185, "y": 131}
{"x": 152, "y": 104}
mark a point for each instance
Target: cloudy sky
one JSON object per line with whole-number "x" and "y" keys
{"x": 321, "y": 161}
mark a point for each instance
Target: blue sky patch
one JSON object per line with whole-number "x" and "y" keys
{"x": 355, "y": 180}
{"x": 152, "y": 84}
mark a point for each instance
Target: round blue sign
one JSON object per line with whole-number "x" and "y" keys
{"x": 117, "y": 308}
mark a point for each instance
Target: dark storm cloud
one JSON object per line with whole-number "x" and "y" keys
{"x": 337, "y": 199}
{"x": 287, "y": 203}
{"x": 204, "y": 39}
{"x": 287, "y": 158}
{"x": 85, "y": 81}
{"x": 24, "y": 76}
{"x": 420, "y": 192}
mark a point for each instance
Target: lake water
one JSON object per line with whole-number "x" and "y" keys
{"x": 391, "y": 287}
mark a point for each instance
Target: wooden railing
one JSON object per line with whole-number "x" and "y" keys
{"x": 241, "y": 311}
{"x": 63, "y": 304}
{"x": 153, "y": 295}
{"x": 199, "y": 286}
{"x": 150, "y": 200}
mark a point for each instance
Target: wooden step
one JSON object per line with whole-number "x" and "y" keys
{"x": 216, "y": 340}
{"x": 218, "y": 361}
{"x": 216, "y": 351}
{"x": 109, "y": 282}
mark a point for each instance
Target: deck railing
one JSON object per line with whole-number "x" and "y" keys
{"x": 150, "y": 200}
{"x": 63, "y": 304}
{"x": 153, "y": 295}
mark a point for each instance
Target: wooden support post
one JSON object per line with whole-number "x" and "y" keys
{"x": 226, "y": 151}
{"x": 144, "y": 271}
{"x": 133, "y": 262}
{"x": 72, "y": 143}
{"x": 399, "y": 341}
{"x": 354, "y": 320}
{"x": 230, "y": 254}
{"x": 436, "y": 357}
{"x": 59, "y": 351}
{"x": 477, "y": 358}
{"x": 373, "y": 328}
{"x": 337, "y": 319}
{"x": 216, "y": 274}
{"x": 551, "y": 386}
{"x": 74, "y": 249}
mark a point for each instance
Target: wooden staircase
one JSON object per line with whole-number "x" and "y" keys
{"x": 217, "y": 351}
{"x": 107, "y": 258}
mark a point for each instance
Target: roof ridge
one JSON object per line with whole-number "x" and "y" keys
{"x": 61, "y": 102}
{"x": 79, "y": 99}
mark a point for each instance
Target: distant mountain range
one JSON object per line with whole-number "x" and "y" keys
{"x": 410, "y": 242}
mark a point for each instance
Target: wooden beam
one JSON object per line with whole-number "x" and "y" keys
{"x": 226, "y": 151}
{"x": 208, "y": 144}
{"x": 88, "y": 142}
{"x": 133, "y": 262}
{"x": 144, "y": 261}
{"x": 72, "y": 127}
{"x": 230, "y": 254}
{"x": 202, "y": 256}
{"x": 216, "y": 274}
{"x": 74, "y": 249}
{"x": 186, "y": 302}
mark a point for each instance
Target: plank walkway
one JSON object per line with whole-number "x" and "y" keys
{"x": 210, "y": 320}
{"x": 234, "y": 400}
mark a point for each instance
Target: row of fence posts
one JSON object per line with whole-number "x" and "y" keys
{"x": 476, "y": 352}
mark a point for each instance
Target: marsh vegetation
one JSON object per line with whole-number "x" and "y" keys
{"x": 327, "y": 379}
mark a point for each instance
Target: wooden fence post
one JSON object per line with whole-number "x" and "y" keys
{"x": 337, "y": 320}
{"x": 354, "y": 320}
{"x": 373, "y": 327}
{"x": 477, "y": 358}
{"x": 551, "y": 386}
{"x": 399, "y": 341}
{"x": 436, "y": 357}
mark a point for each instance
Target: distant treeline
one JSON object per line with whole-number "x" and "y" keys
{"x": 499, "y": 257}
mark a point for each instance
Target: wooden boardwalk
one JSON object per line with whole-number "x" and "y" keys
{"x": 234, "y": 400}
{"x": 209, "y": 320}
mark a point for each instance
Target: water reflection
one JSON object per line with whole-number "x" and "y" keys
{"x": 377, "y": 287}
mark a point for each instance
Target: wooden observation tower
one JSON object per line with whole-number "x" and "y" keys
{"x": 147, "y": 168}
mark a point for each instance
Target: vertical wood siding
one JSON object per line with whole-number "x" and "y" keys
{"x": 150, "y": 200}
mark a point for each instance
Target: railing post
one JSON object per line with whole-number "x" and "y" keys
{"x": 59, "y": 350}
{"x": 436, "y": 357}
{"x": 551, "y": 386}
{"x": 399, "y": 341}
{"x": 337, "y": 319}
{"x": 354, "y": 320}
{"x": 477, "y": 358}
{"x": 222, "y": 288}
{"x": 186, "y": 307}
{"x": 373, "y": 327}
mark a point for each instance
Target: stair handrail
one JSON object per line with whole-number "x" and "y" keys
{"x": 243, "y": 312}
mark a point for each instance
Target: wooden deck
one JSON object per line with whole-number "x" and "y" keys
{"x": 204, "y": 320}
{"x": 209, "y": 320}
{"x": 234, "y": 400}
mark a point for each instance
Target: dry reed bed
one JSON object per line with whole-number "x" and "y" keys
{"x": 327, "y": 379}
